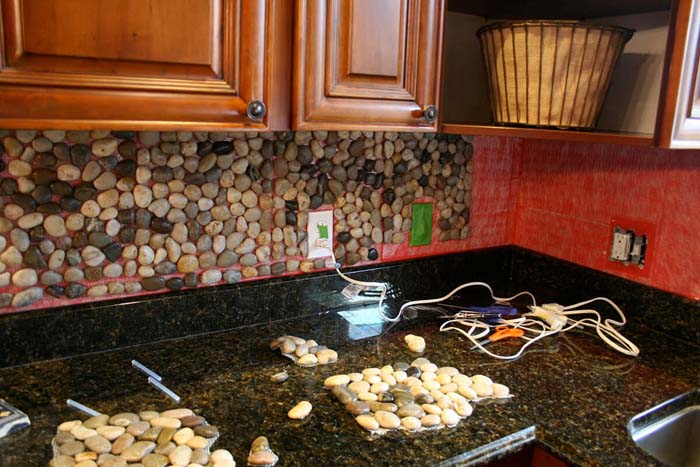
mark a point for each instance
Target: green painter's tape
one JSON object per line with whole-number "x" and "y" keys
{"x": 422, "y": 226}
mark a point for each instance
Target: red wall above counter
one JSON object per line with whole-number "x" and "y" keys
{"x": 568, "y": 193}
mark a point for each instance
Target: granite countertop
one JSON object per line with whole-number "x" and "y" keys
{"x": 571, "y": 395}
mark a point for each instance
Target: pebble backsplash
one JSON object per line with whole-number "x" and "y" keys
{"x": 95, "y": 215}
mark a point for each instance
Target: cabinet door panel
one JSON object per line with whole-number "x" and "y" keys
{"x": 157, "y": 53}
{"x": 679, "y": 117}
{"x": 362, "y": 63}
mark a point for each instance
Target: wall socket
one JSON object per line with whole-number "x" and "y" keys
{"x": 628, "y": 247}
{"x": 320, "y": 233}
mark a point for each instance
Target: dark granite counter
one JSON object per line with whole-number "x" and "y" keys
{"x": 571, "y": 395}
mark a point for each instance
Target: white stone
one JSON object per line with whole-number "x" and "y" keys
{"x": 4, "y": 279}
{"x": 387, "y": 419}
{"x": 482, "y": 388}
{"x": 104, "y": 147}
{"x": 449, "y": 417}
{"x": 142, "y": 196}
{"x": 68, "y": 173}
{"x": 92, "y": 256}
{"x": 211, "y": 276}
{"x": 56, "y": 259}
{"x": 500, "y": 391}
{"x": 19, "y": 168}
{"x": 180, "y": 456}
{"x": 91, "y": 171}
{"x": 106, "y": 181}
{"x": 75, "y": 222}
{"x": 24, "y": 278}
{"x": 90, "y": 208}
{"x": 368, "y": 422}
{"x": 415, "y": 343}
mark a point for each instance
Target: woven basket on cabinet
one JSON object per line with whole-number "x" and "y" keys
{"x": 550, "y": 73}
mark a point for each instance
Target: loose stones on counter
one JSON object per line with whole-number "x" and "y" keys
{"x": 305, "y": 353}
{"x": 261, "y": 454}
{"x": 175, "y": 437}
{"x": 411, "y": 397}
{"x": 415, "y": 343}
{"x": 300, "y": 411}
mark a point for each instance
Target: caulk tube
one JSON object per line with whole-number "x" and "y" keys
{"x": 549, "y": 315}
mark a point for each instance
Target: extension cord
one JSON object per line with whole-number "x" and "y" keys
{"x": 550, "y": 313}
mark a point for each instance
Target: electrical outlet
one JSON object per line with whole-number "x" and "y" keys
{"x": 628, "y": 246}
{"x": 320, "y": 233}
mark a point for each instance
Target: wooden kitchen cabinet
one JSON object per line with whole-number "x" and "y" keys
{"x": 125, "y": 64}
{"x": 679, "y": 119}
{"x": 363, "y": 64}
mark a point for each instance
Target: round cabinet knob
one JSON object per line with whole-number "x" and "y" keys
{"x": 256, "y": 110}
{"x": 430, "y": 113}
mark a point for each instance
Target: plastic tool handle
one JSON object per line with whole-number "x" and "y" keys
{"x": 503, "y": 332}
{"x": 498, "y": 310}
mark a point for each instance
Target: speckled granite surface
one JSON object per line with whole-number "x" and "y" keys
{"x": 571, "y": 395}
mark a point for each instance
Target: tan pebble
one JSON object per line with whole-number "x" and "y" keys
{"x": 445, "y": 403}
{"x": 257, "y": 458}
{"x": 181, "y": 456}
{"x": 86, "y": 456}
{"x": 86, "y": 463}
{"x": 148, "y": 415}
{"x": 111, "y": 432}
{"x": 463, "y": 408}
{"x": 368, "y": 422}
{"x": 482, "y": 388}
{"x": 288, "y": 346}
{"x": 228, "y": 463}
{"x": 138, "y": 428}
{"x": 121, "y": 443}
{"x": 467, "y": 392}
{"x": 431, "y": 409}
{"x": 379, "y": 387}
{"x": 138, "y": 451}
{"x": 183, "y": 436}
{"x": 326, "y": 356}
{"x": 415, "y": 343}
{"x": 443, "y": 378}
{"x": 448, "y": 388}
{"x": 68, "y": 426}
{"x": 124, "y": 419}
{"x": 82, "y": 433}
{"x": 499, "y": 390}
{"x": 429, "y": 368}
{"x": 449, "y": 417}
{"x": 355, "y": 377}
{"x": 387, "y": 419}
{"x": 279, "y": 377}
{"x": 371, "y": 379}
{"x": 336, "y": 380}
{"x": 431, "y": 385}
{"x": 177, "y": 413}
{"x": 307, "y": 360}
{"x": 410, "y": 423}
{"x": 462, "y": 380}
{"x": 367, "y": 396}
{"x": 400, "y": 376}
{"x": 166, "y": 422}
{"x": 221, "y": 455}
{"x": 371, "y": 371}
{"x": 389, "y": 379}
{"x": 430, "y": 420}
{"x": 98, "y": 444}
{"x": 428, "y": 376}
{"x": 482, "y": 379}
{"x": 300, "y": 411}
{"x": 301, "y": 350}
{"x": 359, "y": 386}
{"x": 197, "y": 442}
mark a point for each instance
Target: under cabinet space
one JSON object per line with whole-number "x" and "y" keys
{"x": 629, "y": 110}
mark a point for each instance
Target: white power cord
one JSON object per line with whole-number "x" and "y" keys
{"x": 552, "y": 318}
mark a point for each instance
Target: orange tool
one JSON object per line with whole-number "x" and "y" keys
{"x": 502, "y": 332}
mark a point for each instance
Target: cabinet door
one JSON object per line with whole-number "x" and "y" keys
{"x": 679, "y": 112}
{"x": 367, "y": 63}
{"x": 139, "y": 63}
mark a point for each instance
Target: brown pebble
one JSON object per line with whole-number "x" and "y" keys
{"x": 192, "y": 421}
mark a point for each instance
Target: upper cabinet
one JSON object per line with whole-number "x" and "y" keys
{"x": 144, "y": 63}
{"x": 679, "y": 121}
{"x": 367, "y": 64}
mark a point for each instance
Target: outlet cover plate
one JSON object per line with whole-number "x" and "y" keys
{"x": 320, "y": 233}
{"x": 640, "y": 227}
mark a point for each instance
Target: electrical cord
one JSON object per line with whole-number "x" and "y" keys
{"x": 552, "y": 318}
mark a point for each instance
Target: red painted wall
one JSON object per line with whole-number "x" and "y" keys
{"x": 568, "y": 193}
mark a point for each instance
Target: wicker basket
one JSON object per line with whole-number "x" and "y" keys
{"x": 550, "y": 73}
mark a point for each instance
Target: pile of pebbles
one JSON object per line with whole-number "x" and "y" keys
{"x": 411, "y": 397}
{"x": 91, "y": 215}
{"x": 304, "y": 352}
{"x": 175, "y": 437}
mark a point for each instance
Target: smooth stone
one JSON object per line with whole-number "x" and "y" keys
{"x": 104, "y": 147}
{"x": 138, "y": 451}
{"x": 98, "y": 444}
{"x": 81, "y": 432}
{"x": 166, "y": 422}
{"x": 151, "y": 434}
{"x": 192, "y": 420}
{"x": 261, "y": 458}
{"x": 411, "y": 423}
{"x": 124, "y": 419}
{"x": 122, "y": 442}
{"x": 71, "y": 448}
{"x": 153, "y": 283}
{"x": 27, "y": 297}
{"x": 155, "y": 460}
{"x": 62, "y": 461}
{"x": 75, "y": 290}
{"x": 180, "y": 456}
{"x": 96, "y": 421}
{"x": 344, "y": 394}
{"x": 110, "y": 432}
{"x": 410, "y": 410}
{"x": 183, "y": 436}
{"x": 166, "y": 436}
{"x": 300, "y": 411}
{"x": 368, "y": 422}
{"x": 207, "y": 431}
